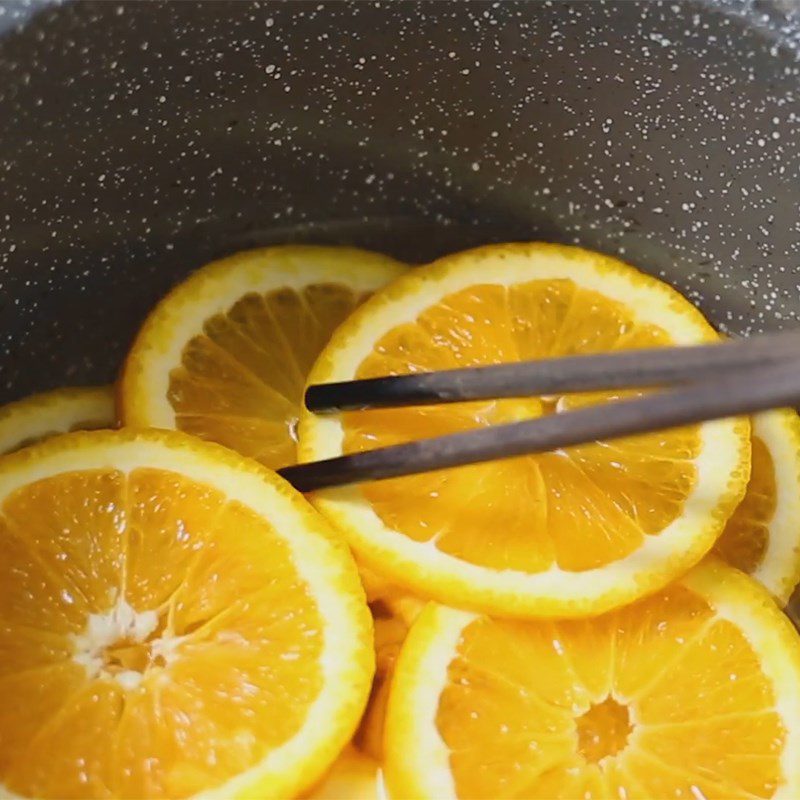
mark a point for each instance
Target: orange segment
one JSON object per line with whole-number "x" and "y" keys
{"x": 29, "y": 696}
{"x": 76, "y": 739}
{"x": 659, "y": 779}
{"x": 509, "y": 536}
{"x": 589, "y": 533}
{"x": 209, "y": 587}
{"x": 649, "y": 476}
{"x": 225, "y": 356}
{"x": 565, "y": 782}
{"x": 652, "y": 634}
{"x": 725, "y": 679}
{"x": 589, "y": 649}
{"x": 23, "y": 649}
{"x": 183, "y": 514}
{"x": 690, "y": 693}
{"x": 470, "y": 512}
{"x": 742, "y": 752}
{"x": 217, "y": 398}
{"x": 171, "y": 616}
{"x": 50, "y": 516}
{"x": 484, "y": 528}
{"x": 538, "y": 310}
{"x": 23, "y": 575}
{"x": 474, "y": 325}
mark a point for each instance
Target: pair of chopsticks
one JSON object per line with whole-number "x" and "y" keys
{"x": 707, "y": 382}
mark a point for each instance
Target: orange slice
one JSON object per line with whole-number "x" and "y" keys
{"x": 174, "y": 619}
{"x": 567, "y": 533}
{"x": 762, "y": 537}
{"x": 34, "y": 418}
{"x": 691, "y": 693}
{"x": 225, "y": 355}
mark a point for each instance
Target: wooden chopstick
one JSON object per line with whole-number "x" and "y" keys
{"x": 731, "y": 393}
{"x": 631, "y": 368}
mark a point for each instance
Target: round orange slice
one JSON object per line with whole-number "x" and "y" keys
{"x": 565, "y": 533}
{"x": 225, "y": 355}
{"x": 34, "y": 418}
{"x": 174, "y": 620}
{"x": 762, "y": 537}
{"x": 691, "y": 693}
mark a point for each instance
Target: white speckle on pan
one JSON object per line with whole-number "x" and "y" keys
{"x": 637, "y": 129}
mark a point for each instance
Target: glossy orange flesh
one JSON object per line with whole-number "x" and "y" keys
{"x": 660, "y": 699}
{"x": 156, "y": 639}
{"x": 576, "y": 509}
{"x": 240, "y": 382}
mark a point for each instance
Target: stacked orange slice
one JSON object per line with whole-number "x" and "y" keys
{"x": 693, "y": 692}
{"x": 177, "y": 621}
{"x": 225, "y": 355}
{"x": 567, "y": 533}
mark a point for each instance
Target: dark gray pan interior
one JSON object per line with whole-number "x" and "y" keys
{"x": 139, "y": 140}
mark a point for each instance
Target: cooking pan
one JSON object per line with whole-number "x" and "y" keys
{"x": 139, "y": 140}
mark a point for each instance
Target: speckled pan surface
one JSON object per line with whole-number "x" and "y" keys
{"x": 138, "y": 140}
